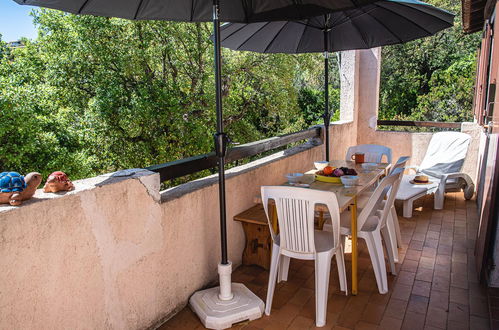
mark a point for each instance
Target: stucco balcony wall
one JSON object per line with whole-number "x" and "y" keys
{"x": 117, "y": 253}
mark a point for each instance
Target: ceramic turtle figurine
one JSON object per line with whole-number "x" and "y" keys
{"x": 58, "y": 181}
{"x": 15, "y": 188}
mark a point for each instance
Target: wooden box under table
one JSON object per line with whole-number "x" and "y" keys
{"x": 256, "y": 230}
{"x": 258, "y": 239}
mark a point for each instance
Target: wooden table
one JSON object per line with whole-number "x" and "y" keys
{"x": 347, "y": 198}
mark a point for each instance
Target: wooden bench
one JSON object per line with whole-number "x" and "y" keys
{"x": 258, "y": 240}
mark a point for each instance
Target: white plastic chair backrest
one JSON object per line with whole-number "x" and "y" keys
{"x": 373, "y": 153}
{"x": 295, "y": 214}
{"x": 400, "y": 163}
{"x": 392, "y": 193}
{"x": 373, "y": 205}
{"x": 445, "y": 154}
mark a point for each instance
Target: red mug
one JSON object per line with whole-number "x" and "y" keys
{"x": 358, "y": 157}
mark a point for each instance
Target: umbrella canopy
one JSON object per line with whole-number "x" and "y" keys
{"x": 199, "y": 10}
{"x": 385, "y": 22}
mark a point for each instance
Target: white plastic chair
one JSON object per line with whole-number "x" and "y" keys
{"x": 392, "y": 221}
{"x": 442, "y": 163}
{"x": 298, "y": 239}
{"x": 373, "y": 153}
{"x": 371, "y": 224}
{"x": 401, "y": 162}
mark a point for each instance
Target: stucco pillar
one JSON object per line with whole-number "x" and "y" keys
{"x": 369, "y": 62}
{"x": 360, "y": 79}
{"x": 348, "y": 85}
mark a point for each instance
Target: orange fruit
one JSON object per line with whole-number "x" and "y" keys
{"x": 328, "y": 170}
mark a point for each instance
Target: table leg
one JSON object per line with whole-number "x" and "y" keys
{"x": 354, "y": 245}
{"x": 273, "y": 219}
{"x": 321, "y": 220}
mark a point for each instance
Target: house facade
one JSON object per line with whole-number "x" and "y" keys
{"x": 479, "y": 15}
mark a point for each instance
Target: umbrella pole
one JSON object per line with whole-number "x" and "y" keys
{"x": 225, "y": 267}
{"x": 220, "y": 140}
{"x": 327, "y": 115}
{"x": 229, "y": 303}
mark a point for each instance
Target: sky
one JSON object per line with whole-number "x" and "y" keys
{"x": 15, "y": 21}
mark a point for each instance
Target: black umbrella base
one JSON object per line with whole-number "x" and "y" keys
{"x": 223, "y": 306}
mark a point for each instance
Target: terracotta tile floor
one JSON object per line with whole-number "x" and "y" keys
{"x": 436, "y": 286}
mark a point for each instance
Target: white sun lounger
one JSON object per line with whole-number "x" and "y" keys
{"x": 442, "y": 164}
{"x": 409, "y": 192}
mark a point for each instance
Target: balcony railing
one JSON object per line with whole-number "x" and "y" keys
{"x": 182, "y": 167}
{"x": 186, "y": 166}
{"x": 412, "y": 123}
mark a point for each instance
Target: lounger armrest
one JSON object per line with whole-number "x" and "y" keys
{"x": 455, "y": 175}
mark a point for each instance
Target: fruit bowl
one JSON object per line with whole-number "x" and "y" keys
{"x": 329, "y": 179}
{"x": 333, "y": 175}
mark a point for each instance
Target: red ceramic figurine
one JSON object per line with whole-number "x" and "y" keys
{"x": 58, "y": 181}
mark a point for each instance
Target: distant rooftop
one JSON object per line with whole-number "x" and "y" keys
{"x": 15, "y": 44}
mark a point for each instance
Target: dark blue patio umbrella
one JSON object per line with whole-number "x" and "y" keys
{"x": 385, "y": 22}
{"x": 243, "y": 11}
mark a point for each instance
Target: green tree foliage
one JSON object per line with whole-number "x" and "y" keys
{"x": 310, "y": 84}
{"x": 430, "y": 78}
{"x": 3, "y": 48}
{"x": 92, "y": 95}
{"x": 450, "y": 93}
{"x": 311, "y": 102}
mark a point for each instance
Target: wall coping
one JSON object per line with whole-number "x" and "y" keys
{"x": 340, "y": 122}
{"x": 149, "y": 179}
{"x": 465, "y": 126}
